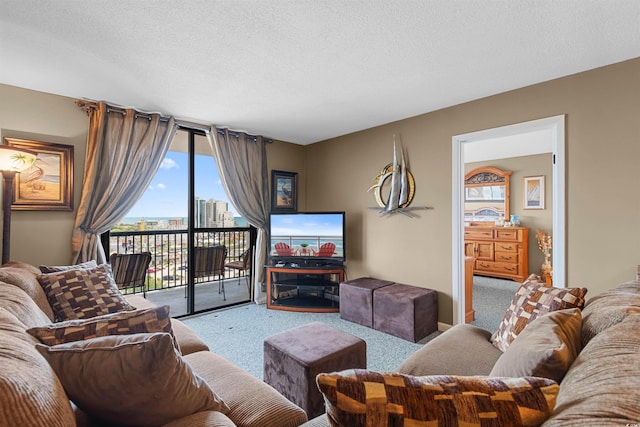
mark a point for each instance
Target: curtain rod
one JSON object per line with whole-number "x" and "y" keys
{"x": 92, "y": 105}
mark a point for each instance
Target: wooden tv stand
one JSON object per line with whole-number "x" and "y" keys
{"x": 311, "y": 289}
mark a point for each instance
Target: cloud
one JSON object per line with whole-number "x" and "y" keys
{"x": 168, "y": 163}
{"x": 161, "y": 186}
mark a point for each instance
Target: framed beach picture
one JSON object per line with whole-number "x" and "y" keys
{"x": 284, "y": 191}
{"x": 534, "y": 192}
{"x": 48, "y": 183}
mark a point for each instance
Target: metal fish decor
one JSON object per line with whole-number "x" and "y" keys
{"x": 401, "y": 189}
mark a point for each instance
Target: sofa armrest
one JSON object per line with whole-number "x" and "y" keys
{"x": 252, "y": 402}
{"x": 462, "y": 350}
{"x": 203, "y": 419}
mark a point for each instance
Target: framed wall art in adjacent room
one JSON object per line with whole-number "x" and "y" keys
{"x": 534, "y": 192}
{"x": 284, "y": 191}
{"x": 48, "y": 183}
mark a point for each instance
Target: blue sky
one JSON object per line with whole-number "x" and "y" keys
{"x": 167, "y": 194}
{"x": 304, "y": 225}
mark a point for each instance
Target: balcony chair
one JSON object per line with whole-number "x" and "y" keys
{"x": 282, "y": 249}
{"x": 244, "y": 264}
{"x": 209, "y": 261}
{"x": 130, "y": 270}
{"x": 326, "y": 250}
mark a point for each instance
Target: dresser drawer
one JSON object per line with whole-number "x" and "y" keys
{"x": 506, "y": 247}
{"x": 508, "y": 234}
{"x": 511, "y": 257}
{"x": 478, "y": 233}
{"x": 497, "y": 267}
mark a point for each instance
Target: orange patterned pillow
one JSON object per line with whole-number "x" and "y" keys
{"x": 365, "y": 398}
{"x": 533, "y": 299}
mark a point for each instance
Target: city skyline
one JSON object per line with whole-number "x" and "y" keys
{"x": 167, "y": 195}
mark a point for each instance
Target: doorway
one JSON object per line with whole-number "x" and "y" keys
{"x": 554, "y": 127}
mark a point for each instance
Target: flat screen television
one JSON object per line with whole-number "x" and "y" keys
{"x": 307, "y": 238}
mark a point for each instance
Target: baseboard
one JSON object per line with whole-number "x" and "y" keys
{"x": 443, "y": 326}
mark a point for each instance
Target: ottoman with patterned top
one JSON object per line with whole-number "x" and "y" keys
{"x": 293, "y": 359}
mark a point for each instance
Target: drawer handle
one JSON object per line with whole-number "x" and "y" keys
{"x": 507, "y": 248}
{"x": 510, "y": 268}
{"x": 506, "y": 258}
{"x": 484, "y": 265}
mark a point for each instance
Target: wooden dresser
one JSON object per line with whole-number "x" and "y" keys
{"x": 498, "y": 251}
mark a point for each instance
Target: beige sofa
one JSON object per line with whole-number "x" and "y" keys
{"x": 32, "y": 395}
{"x": 602, "y": 384}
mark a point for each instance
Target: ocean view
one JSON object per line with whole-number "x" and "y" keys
{"x": 240, "y": 221}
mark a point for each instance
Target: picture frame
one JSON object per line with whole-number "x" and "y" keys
{"x": 284, "y": 191}
{"x": 533, "y": 192}
{"x": 48, "y": 184}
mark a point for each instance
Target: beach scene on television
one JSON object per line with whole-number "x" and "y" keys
{"x": 307, "y": 235}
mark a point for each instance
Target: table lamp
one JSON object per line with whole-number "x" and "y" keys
{"x": 12, "y": 161}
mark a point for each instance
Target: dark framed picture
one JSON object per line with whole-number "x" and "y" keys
{"x": 284, "y": 191}
{"x": 48, "y": 184}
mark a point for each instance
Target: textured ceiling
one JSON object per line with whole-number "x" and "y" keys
{"x": 304, "y": 71}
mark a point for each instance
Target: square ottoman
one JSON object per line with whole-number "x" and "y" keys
{"x": 405, "y": 311}
{"x": 356, "y": 299}
{"x": 293, "y": 359}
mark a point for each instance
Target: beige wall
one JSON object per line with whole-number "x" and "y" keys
{"x": 44, "y": 237}
{"x": 602, "y": 143}
{"x": 534, "y": 219}
{"x": 602, "y": 110}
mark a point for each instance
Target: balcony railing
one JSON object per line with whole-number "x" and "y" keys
{"x": 169, "y": 267}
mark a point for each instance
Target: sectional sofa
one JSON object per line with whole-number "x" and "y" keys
{"x": 161, "y": 378}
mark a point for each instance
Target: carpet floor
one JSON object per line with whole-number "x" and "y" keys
{"x": 238, "y": 333}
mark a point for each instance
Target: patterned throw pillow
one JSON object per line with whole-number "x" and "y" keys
{"x": 148, "y": 320}
{"x": 365, "y": 398}
{"x": 57, "y": 268}
{"x": 533, "y": 299}
{"x": 81, "y": 294}
{"x": 131, "y": 380}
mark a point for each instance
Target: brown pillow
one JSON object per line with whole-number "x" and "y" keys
{"x": 130, "y": 380}
{"x": 365, "y": 398}
{"x": 81, "y": 294}
{"x": 149, "y": 320}
{"x": 87, "y": 265}
{"x": 545, "y": 348}
{"x": 26, "y": 279}
{"x": 533, "y": 299}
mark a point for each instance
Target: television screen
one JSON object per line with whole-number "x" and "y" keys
{"x": 312, "y": 235}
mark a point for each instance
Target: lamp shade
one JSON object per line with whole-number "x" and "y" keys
{"x": 15, "y": 159}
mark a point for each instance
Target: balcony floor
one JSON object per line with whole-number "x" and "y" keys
{"x": 206, "y": 296}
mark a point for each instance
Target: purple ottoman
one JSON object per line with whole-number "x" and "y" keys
{"x": 293, "y": 359}
{"x": 405, "y": 311}
{"x": 356, "y": 299}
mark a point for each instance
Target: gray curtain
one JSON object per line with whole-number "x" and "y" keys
{"x": 124, "y": 150}
{"x": 242, "y": 163}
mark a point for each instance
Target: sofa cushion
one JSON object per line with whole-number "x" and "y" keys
{"x": 251, "y": 401}
{"x": 30, "y": 392}
{"x": 17, "y": 302}
{"x": 80, "y": 294}
{"x": 26, "y": 279}
{"x": 455, "y": 343}
{"x": 155, "y": 319}
{"x": 609, "y": 308}
{"x": 602, "y": 387}
{"x": 366, "y": 398}
{"x": 533, "y": 299}
{"x": 545, "y": 348}
{"x": 87, "y": 265}
{"x": 137, "y": 379}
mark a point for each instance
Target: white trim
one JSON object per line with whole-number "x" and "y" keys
{"x": 556, "y": 125}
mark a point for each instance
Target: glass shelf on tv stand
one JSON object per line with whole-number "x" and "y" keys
{"x": 314, "y": 289}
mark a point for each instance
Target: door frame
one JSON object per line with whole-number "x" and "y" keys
{"x": 556, "y": 125}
